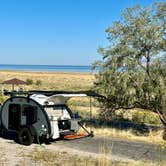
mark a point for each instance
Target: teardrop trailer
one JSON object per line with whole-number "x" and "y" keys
{"x": 41, "y": 115}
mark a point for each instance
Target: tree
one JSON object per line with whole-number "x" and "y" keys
{"x": 132, "y": 73}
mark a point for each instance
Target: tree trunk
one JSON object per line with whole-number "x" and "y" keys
{"x": 164, "y": 133}
{"x": 162, "y": 117}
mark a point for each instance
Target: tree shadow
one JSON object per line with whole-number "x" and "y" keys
{"x": 139, "y": 129}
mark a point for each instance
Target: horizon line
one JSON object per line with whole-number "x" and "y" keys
{"x": 44, "y": 64}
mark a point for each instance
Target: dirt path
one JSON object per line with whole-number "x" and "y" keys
{"x": 116, "y": 149}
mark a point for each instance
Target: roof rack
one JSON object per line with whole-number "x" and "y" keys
{"x": 50, "y": 93}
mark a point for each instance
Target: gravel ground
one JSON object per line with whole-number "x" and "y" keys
{"x": 11, "y": 153}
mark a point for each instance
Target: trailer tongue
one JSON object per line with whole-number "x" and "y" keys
{"x": 42, "y": 114}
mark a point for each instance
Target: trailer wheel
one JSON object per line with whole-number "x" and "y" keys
{"x": 25, "y": 137}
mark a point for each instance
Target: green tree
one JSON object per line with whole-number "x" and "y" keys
{"x": 133, "y": 70}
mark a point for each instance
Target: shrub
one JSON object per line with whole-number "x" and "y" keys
{"x": 38, "y": 82}
{"x": 145, "y": 117}
{"x": 29, "y": 81}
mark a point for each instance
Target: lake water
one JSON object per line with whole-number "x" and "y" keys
{"x": 48, "y": 68}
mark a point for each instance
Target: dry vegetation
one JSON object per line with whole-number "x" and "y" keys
{"x": 13, "y": 154}
{"x": 52, "y": 81}
{"x": 83, "y": 81}
{"x": 45, "y": 157}
{"x": 77, "y": 81}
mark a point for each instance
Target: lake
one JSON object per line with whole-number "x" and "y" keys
{"x": 47, "y": 68}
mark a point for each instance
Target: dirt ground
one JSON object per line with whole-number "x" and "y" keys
{"x": 13, "y": 154}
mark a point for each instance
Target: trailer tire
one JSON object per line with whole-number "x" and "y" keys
{"x": 25, "y": 137}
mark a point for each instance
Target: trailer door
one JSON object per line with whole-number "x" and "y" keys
{"x": 29, "y": 115}
{"x": 14, "y": 116}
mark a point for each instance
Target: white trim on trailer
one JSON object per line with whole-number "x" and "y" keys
{"x": 62, "y": 98}
{"x": 54, "y": 99}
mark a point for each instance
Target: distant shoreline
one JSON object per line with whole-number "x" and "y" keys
{"x": 47, "y": 68}
{"x": 47, "y": 72}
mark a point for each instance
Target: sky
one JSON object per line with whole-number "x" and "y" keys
{"x": 57, "y": 32}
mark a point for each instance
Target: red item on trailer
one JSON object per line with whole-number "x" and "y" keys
{"x": 74, "y": 136}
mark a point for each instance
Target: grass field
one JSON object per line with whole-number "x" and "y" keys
{"x": 83, "y": 81}
{"x": 51, "y": 81}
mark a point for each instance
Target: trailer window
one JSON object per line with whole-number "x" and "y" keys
{"x": 54, "y": 111}
{"x": 30, "y": 112}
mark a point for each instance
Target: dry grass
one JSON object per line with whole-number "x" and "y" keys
{"x": 52, "y": 81}
{"x": 49, "y": 158}
{"x": 153, "y": 137}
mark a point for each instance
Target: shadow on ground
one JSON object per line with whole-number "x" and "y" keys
{"x": 139, "y": 129}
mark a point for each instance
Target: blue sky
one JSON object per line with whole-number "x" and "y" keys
{"x": 56, "y": 32}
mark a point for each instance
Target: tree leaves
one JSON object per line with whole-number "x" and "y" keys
{"x": 133, "y": 70}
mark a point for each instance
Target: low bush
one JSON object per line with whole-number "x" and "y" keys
{"x": 38, "y": 83}
{"x": 29, "y": 81}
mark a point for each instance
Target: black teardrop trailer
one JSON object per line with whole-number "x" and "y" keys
{"x": 40, "y": 114}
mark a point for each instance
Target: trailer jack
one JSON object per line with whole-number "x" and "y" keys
{"x": 79, "y": 135}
